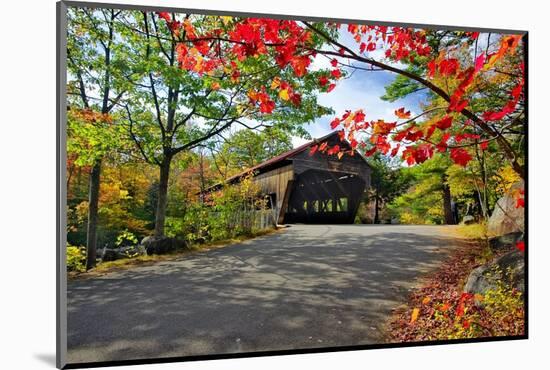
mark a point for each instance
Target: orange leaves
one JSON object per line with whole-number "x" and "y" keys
{"x": 382, "y": 128}
{"x": 416, "y": 311}
{"x": 414, "y": 315}
{"x": 507, "y": 44}
{"x": 461, "y": 308}
{"x": 91, "y": 116}
{"x": 299, "y": 65}
{"x": 400, "y": 113}
{"x": 266, "y": 104}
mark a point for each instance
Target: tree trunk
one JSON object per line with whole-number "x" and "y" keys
{"x": 93, "y": 206}
{"x": 447, "y": 208}
{"x": 160, "y": 215}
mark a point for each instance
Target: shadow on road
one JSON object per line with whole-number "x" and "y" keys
{"x": 306, "y": 287}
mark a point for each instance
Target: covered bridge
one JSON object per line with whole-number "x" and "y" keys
{"x": 311, "y": 188}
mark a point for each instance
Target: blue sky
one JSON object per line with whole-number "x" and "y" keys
{"x": 362, "y": 90}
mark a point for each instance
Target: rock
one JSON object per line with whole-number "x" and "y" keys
{"x": 467, "y": 220}
{"x": 506, "y": 218}
{"x": 154, "y": 245}
{"x": 508, "y": 269}
{"x": 505, "y": 242}
{"x": 113, "y": 254}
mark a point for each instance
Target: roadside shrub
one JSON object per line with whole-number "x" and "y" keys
{"x": 126, "y": 239}
{"x": 76, "y": 258}
{"x": 476, "y": 231}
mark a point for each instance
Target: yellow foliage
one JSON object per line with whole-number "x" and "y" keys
{"x": 505, "y": 178}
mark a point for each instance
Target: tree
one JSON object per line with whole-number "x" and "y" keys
{"x": 457, "y": 58}
{"x": 247, "y": 148}
{"x": 184, "y": 99}
{"x": 388, "y": 182}
{"x": 428, "y": 199}
{"x": 93, "y": 66}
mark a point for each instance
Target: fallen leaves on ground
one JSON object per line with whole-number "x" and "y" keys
{"x": 439, "y": 310}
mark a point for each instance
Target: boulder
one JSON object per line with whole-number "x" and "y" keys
{"x": 505, "y": 242}
{"x": 163, "y": 245}
{"x": 113, "y": 254}
{"x": 508, "y": 269}
{"x": 506, "y": 218}
{"x": 468, "y": 219}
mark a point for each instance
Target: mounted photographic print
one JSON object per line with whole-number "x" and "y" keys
{"x": 236, "y": 184}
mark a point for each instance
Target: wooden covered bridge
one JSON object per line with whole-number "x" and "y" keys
{"x": 311, "y": 188}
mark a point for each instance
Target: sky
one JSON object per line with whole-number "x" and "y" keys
{"x": 362, "y": 90}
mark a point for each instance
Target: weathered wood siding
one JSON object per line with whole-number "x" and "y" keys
{"x": 276, "y": 182}
{"x": 355, "y": 164}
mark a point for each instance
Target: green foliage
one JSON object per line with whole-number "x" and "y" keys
{"x": 388, "y": 181}
{"x": 229, "y": 215}
{"x": 125, "y": 239}
{"x": 423, "y": 203}
{"x": 403, "y": 86}
{"x": 247, "y": 148}
{"x": 76, "y": 258}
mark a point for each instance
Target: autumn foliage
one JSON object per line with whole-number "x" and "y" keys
{"x": 221, "y": 50}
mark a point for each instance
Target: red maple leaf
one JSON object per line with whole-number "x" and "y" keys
{"x": 521, "y": 245}
{"x": 323, "y": 80}
{"x": 313, "y": 149}
{"x": 460, "y": 156}
{"x": 444, "y": 123}
{"x": 359, "y": 116}
{"x": 335, "y": 149}
{"x": 422, "y": 153}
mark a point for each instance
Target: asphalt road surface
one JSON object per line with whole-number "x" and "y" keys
{"x": 306, "y": 286}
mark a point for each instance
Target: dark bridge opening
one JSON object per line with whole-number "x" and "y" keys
{"x": 319, "y": 196}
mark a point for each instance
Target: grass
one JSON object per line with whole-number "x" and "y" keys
{"x": 128, "y": 263}
{"x": 473, "y": 231}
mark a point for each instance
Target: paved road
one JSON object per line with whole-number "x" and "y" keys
{"x": 303, "y": 287}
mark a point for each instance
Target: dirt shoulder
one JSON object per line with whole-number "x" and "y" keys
{"x": 128, "y": 263}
